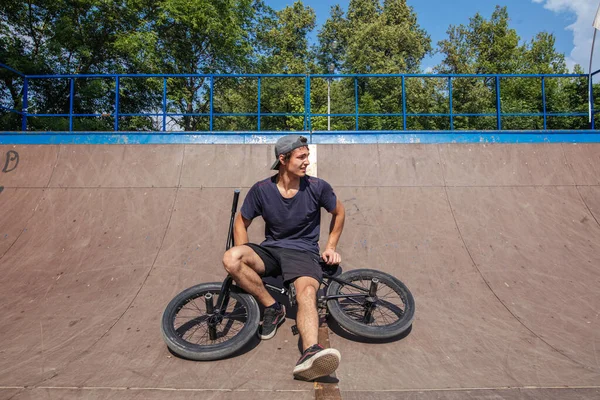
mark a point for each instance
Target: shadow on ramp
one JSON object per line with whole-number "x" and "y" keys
{"x": 251, "y": 345}
{"x": 343, "y": 333}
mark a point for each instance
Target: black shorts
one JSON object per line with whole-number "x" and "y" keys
{"x": 290, "y": 263}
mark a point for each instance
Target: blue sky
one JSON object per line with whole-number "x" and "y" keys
{"x": 569, "y": 20}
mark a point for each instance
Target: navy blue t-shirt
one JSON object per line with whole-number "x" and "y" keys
{"x": 290, "y": 223}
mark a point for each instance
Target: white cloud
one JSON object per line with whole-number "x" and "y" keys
{"x": 585, "y": 11}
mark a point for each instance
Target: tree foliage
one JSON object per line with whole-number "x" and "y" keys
{"x": 492, "y": 47}
{"x": 205, "y": 37}
{"x": 282, "y": 47}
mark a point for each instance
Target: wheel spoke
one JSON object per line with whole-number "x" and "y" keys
{"x": 191, "y": 321}
{"x": 390, "y": 304}
{"x": 383, "y": 316}
{"x": 392, "y": 307}
{"x": 203, "y": 336}
{"x": 194, "y": 331}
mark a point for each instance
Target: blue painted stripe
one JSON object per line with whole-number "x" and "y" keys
{"x": 456, "y": 138}
{"x": 322, "y": 137}
{"x": 515, "y": 134}
{"x": 135, "y": 139}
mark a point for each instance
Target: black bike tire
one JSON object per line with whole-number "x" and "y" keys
{"x": 211, "y": 352}
{"x": 360, "y": 328}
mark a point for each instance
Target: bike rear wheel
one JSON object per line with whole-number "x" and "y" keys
{"x": 185, "y": 323}
{"x": 392, "y": 310}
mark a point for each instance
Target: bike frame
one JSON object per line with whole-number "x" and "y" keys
{"x": 216, "y": 310}
{"x": 324, "y": 282}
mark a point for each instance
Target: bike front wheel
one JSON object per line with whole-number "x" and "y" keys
{"x": 185, "y": 322}
{"x": 386, "y": 315}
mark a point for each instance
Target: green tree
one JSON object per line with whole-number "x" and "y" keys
{"x": 281, "y": 48}
{"x": 58, "y": 37}
{"x": 191, "y": 37}
{"x": 373, "y": 37}
{"x": 492, "y": 47}
{"x": 284, "y": 41}
{"x": 133, "y": 36}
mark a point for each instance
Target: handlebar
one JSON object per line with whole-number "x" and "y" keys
{"x": 234, "y": 204}
{"x": 236, "y": 196}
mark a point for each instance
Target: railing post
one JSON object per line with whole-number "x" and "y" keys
{"x": 305, "y": 114}
{"x": 450, "y": 97}
{"x": 356, "y": 101}
{"x": 403, "y": 104}
{"x": 117, "y": 89}
{"x": 308, "y": 105}
{"x": 498, "y": 105}
{"x": 25, "y": 104}
{"x": 328, "y": 104}
{"x": 259, "y": 103}
{"x": 71, "y": 100}
{"x": 164, "y": 105}
{"x": 212, "y": 91}
{"x": 544, "y": 100}
{"x": 591, "y": 88}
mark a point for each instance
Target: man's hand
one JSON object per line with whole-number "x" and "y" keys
{"x": 331, "y": 257}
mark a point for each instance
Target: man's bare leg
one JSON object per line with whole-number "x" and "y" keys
{"x": 307, "y": 317}
{"x": 315, "y": 360}
{"x": 245, "y": 267}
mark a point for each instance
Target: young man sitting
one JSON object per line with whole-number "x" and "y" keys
{"x": 290, "y": 203}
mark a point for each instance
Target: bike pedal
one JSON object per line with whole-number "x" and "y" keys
{"x": 292, "y": 294}
{"x": 295, "y": 330}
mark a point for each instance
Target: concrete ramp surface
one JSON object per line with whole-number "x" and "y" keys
{"x": 500, "y": 245}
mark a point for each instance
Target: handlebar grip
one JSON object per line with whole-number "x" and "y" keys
{"x": 236, "y": 196}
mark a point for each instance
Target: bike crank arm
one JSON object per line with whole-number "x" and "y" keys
{"x": 276, "y": 289}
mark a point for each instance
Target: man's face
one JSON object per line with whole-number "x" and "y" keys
{"x": 298, "y": 162}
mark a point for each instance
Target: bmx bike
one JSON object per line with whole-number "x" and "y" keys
{"x": 211, "y": 321}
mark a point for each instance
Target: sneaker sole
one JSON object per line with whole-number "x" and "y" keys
{"x": 270, "y": 336}
{"x": 322, "y": 364}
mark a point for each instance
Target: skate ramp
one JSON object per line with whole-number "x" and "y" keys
{"x": 500, "y": 245}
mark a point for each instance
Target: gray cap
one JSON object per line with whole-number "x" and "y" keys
{"x": 286, "y": 144}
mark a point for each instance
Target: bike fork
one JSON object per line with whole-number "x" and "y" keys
{"x": 223, "y": 300}
{"x": 371, "y": 300}
{"x": 210, "y": 310}
{"x": 216, "y": 313}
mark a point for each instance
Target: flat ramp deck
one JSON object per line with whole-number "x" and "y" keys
{"x": 500, "y": 245}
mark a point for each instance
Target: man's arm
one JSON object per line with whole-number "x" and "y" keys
{"x": 240, "y": 230}
{"x": 338, "y": 215}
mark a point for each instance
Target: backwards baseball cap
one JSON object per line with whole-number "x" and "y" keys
{"x": 286, "y": 144}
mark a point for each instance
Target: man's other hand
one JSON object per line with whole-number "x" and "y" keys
{"x": 331, "y": 257}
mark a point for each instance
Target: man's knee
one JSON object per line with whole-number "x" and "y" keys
{"x": 232, "y": 260}
{"x": 306, "y": 293}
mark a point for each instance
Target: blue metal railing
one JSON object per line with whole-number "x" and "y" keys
{"x": 307, "y": 113}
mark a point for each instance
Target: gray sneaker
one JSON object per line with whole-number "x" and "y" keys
{"x": 271, "y": 321}
{"x": 316, "y": 362}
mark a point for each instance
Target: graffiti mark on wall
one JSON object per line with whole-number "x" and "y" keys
{"x": 12, "y": 161}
